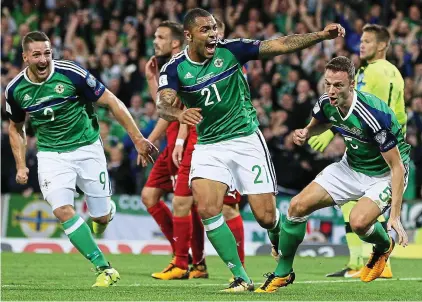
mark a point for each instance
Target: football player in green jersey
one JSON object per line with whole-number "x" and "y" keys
{"x": 58, "y": 97}
{"x": 373, "y": 170}
{"x": 382, "y": 79}
{"x": 231, "y": 152}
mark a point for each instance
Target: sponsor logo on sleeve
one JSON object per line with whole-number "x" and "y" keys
{"x": 162, "y": 81}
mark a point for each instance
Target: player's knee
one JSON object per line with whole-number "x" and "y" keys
{"x": 208, "y": 211}
{"x": 297, "y": 207}
{"x": 358, "y": 224}
{"x": 267, "y": 221}
{"x": 182, "y": 205}
{"x": 148, "y": 198}
{"x": 64, "y": 213}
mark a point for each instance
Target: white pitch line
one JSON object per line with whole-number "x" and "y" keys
{"x": 296, "y": 282}
{"x": 188, "y": 283}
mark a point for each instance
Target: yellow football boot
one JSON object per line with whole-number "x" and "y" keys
{"x": 273, "y": 282}
{"x": 198, "y": 271}
{"x": 387, "y": 273}
{"x": 106, "y": 277}
{"x": 376, "y": 264}
{"x": 172, "y": 272}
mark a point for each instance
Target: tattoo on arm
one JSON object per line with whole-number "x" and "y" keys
{"x": 288, "y": 44}
{"x": 165, "y": 109}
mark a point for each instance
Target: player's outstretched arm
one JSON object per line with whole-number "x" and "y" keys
{"x": 166, "y": 109}
{"x": 144, "y": 147}
{"x": 393, "y": 159}
{"x": 292, "y": 43}
{"x": 17, "y": 139}
{"x": 159, "y": 130}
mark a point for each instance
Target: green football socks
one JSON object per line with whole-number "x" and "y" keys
{"x": 224, "y": 243}
{"x": 80, "y": 235}
{"x": 291, "y": 235}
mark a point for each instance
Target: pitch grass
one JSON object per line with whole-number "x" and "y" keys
{"x": 68, "y": 277}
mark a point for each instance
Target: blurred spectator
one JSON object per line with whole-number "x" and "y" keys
{"x": 119, "y": 171}
{"x": 113, "y": 39}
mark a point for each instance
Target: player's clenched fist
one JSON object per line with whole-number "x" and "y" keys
{"x": 22, "y": 176}
{"x": 145, "y": 149}
{"x": 334, "y": 30}
{"x": 300, "y": 136}
{"x": 191, "y": 116}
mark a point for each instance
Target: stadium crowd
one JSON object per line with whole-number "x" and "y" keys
{"x": 113, "y": 39}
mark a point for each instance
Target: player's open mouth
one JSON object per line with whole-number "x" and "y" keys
{"x": 333, "y": 101}
{"x": 42, "y": 69}
{"x": 210, "y": 47}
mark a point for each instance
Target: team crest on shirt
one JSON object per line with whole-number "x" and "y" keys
{"x": 218, "y": 62}
{"x": 381, "y": 137}
{"x": 91, "y": 81}
{"x": 59, "y": 88}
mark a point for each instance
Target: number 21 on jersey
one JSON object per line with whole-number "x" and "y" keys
{"x": 208, "y": 92}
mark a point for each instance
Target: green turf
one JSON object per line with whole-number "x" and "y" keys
{"x": 68, "y": 277}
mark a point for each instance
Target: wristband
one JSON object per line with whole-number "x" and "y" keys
{"x": 180, "y": 142}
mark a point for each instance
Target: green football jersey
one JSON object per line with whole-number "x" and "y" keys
{"x": 218, "y": 87}
{"x": 369, "y": 128}
{"x": 60, "y": 108}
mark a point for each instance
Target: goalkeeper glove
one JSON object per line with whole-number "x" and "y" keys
{"x": 320, "y": 142}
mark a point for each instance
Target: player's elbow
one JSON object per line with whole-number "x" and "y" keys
{"x": 398, "y": 169}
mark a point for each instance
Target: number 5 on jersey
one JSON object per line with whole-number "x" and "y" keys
{"x": 208, "y": 92}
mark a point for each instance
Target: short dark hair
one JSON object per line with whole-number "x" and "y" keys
{"x": 191, "y": 15}
{"x": 342, "y": 64}
{"x": 381, "y": 32}
{"x": 34, "y": 36}
{"x": 176, "y": 30}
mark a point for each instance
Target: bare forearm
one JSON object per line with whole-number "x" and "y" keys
{"x": 397, "y": 186}
{"x": 159, "y": 130}
{"x": 18, "y": 143}
{"x": 288, "y": 44}
{"x": 183, "y": 131}
{"x": 165, "y": 108}
{"x": 316, "y": 128}
{"x": 153, "y": 88}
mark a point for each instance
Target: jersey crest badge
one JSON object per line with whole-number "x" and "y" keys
{"x": 381, "y": 137}
{"x": 59, "y": 88}
{"x": 91, "y": 81}
{"x": 218, "y": 62}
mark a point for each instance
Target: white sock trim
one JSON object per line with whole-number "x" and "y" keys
{"x": 277, "y": 218}
{"x": 297, "y": 219}
{"x": 214, "y": 225}
{"x": 74, "y": 227}
{"x": 370, "y": 231}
